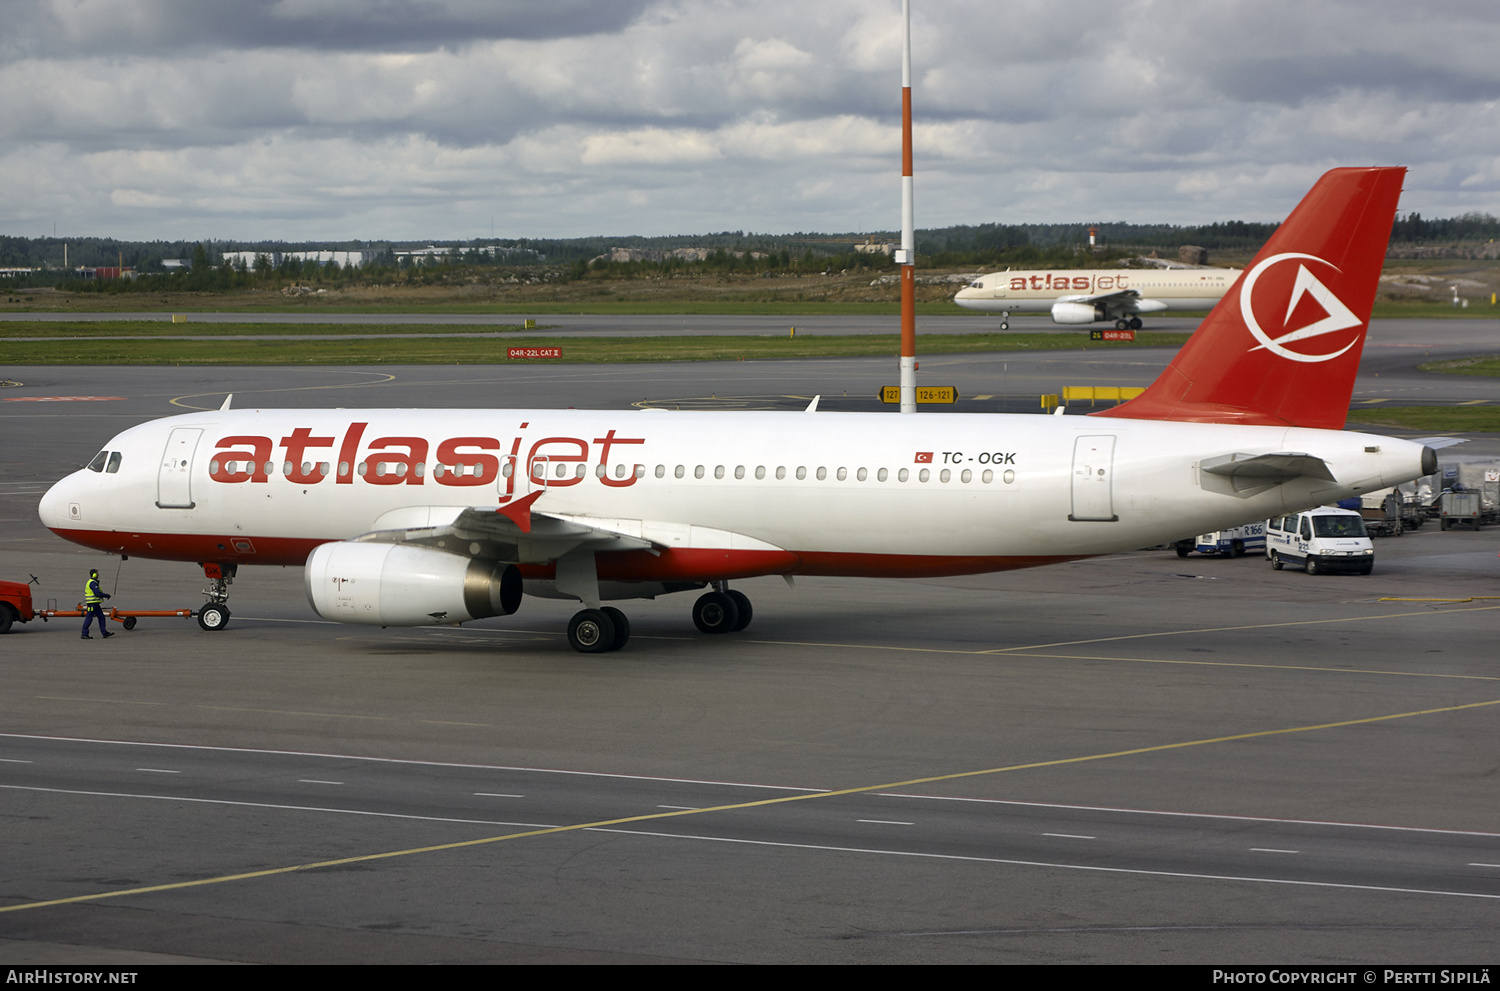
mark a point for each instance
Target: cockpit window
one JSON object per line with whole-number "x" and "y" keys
{"x": 114, "y": 462}
{"x": 98, "y": 463}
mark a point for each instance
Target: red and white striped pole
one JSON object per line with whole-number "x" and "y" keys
{"x": 907, "y": 257}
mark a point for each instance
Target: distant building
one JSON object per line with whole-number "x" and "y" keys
{"x": 663, "y": 254}
{"x": 433, "y": 254}
{"x": 345, "y": 259}
{"x": 87, "y": 272}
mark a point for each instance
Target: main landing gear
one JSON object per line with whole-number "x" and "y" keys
{"x": 1128, "y": 323}
{"x": 598, "y": 631}
{"x": 722, "y": 611}
{"x": 214, "y": 615}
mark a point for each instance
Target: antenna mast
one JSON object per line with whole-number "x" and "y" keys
{"x": 907, "y": 256}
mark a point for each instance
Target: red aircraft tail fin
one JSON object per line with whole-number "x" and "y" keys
{"x": 1282, "y": 347}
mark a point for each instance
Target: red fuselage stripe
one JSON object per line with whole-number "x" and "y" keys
{"x": 694, "y": 564}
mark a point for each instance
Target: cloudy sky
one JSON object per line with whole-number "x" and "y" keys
{"x": 336, "y": 119}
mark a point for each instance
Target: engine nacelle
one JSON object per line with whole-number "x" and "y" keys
{"x": 1076, "y": 313}
{"x": 401, "y": 585}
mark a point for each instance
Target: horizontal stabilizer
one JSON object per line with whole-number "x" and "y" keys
{"x": 1437, "y": 443}
{"x": 1282, "y": 467}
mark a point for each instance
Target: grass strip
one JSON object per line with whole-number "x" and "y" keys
{"x": 84, "y": 329}
{"x": 395, "y": 350}
{"x": 1480, "y": 365}
{"x": 1442, "y": 419}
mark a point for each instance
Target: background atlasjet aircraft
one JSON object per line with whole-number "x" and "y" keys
{"x": 1095, "y": 295}
{"x": 412, "y": 517}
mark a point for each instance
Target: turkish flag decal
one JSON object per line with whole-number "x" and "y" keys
{"x": 924, "y": 457}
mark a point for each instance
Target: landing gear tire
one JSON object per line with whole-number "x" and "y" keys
{"x": 1135, "y": 323}
{"x": 742, "y": 602}
{"x": 716, "y": 612}
{"x": 1276, "y": 561}
{"x": 1182, "y": 548}
{"x": 591, "y": 632}
{"x": 212, "y": 617}
{"x": 622, "y": 626}
{"x": 1005, "y": 325}
{"x": 128, "y": 622}
{"x": 1122, "y": 324}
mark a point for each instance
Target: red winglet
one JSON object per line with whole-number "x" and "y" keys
{"x": 519, "y": 512}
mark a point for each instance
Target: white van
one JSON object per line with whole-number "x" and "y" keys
{"x": 1322, "y": 540}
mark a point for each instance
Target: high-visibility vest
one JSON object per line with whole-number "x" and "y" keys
{"x": 91, "y": 594}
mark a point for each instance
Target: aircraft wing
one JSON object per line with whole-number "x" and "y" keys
{"x": 482, "y": 532}
{"x": 515, "y": 533}
{"x": 1119, "y": 296}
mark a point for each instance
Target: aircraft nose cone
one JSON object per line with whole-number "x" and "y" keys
{"x": 53, "y": 509}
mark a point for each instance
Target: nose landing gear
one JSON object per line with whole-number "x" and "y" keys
{"x": 214, "y": 615}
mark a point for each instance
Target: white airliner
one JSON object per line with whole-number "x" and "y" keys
{"x": 421, "y": 517}
{"x": 1077, "y": 297}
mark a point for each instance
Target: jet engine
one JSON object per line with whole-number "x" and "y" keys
{"x": 1076, "y": 313}
{"x": 401, "y": 585}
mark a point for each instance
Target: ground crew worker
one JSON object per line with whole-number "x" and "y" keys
{"x": 93, "y": 605}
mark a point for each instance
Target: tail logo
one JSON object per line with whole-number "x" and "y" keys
{"x": 1337, "y": 317}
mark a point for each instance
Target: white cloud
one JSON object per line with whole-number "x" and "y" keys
{"x": 371, "y": 118}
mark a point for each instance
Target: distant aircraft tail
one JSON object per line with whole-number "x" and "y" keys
{"x": 1282, "y": 347}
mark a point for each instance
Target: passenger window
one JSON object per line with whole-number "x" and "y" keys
{"x": 902, "y": 475}
{"x": 114, "y": 463}
{"x": 99, "y": 459}
{"x": 760, "y": 471}
{"x": 698, "y": 472}
{"x": 679, "y": 471}
{"x": 780, "y": 471}
{"x": 822, "y": 474}
{"x": 661, "y": 471}
{"x": 801, "y": 473}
